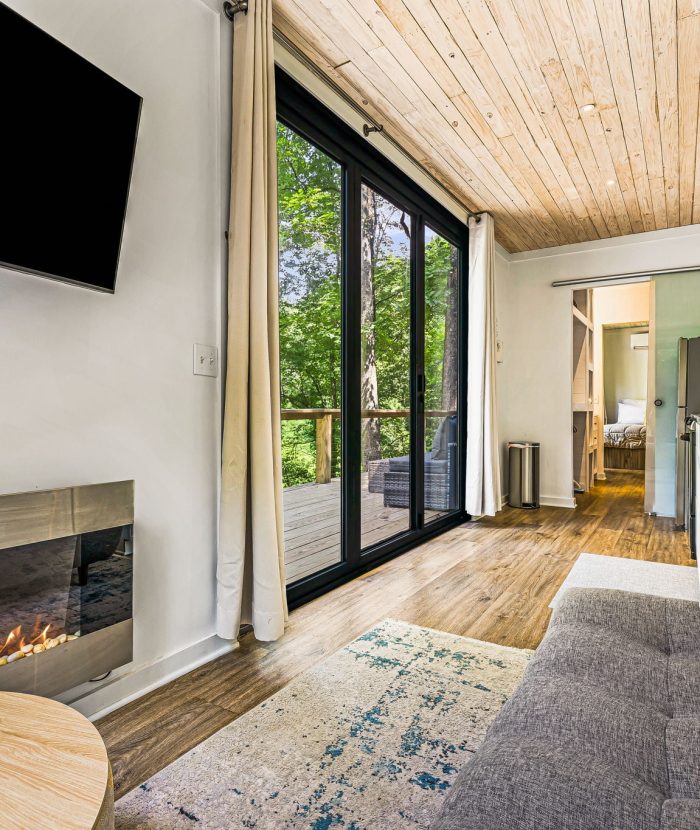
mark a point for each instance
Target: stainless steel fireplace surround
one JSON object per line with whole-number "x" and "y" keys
{"x": 65, "y": 586}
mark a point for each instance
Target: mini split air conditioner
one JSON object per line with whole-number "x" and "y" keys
{"x": 640, "y": 342}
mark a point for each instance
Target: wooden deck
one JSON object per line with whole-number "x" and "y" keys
{"x": 312, "y": 525}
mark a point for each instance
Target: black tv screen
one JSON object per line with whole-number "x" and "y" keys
{"x": 67, "y": 139}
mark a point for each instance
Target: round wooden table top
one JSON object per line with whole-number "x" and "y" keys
{"x": 54, "y": 770}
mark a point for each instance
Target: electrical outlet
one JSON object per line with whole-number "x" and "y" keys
{"x": 206, "y": 360}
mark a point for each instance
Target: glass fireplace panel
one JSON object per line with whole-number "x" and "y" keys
{"x": 55, "y": 591}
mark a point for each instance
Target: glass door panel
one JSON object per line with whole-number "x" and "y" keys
{"x": 310, "y": 276}
{"x": 385, "y": 336}
{"x": 441, "y": 357}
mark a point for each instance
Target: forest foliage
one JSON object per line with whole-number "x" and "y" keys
{"x": 310, "y": 239}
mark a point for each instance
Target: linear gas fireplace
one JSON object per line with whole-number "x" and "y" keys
{"x": 65, "y": 586}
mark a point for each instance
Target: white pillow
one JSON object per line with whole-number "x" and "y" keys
{"x": 640, "y": 402}
{"x": 628, "y": 413}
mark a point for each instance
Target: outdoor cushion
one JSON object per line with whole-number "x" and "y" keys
{"x": 445, "y": 435}
{"x": 603, "y": 732}
{"x": 402, "y": 464}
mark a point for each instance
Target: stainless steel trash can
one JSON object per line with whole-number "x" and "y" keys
{"x": 524, "y": 474}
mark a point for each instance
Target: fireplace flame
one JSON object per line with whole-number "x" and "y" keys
{"x": 42, "y": 636}
{"x": 12, "y": 638}
{"x": 18, "y": 644}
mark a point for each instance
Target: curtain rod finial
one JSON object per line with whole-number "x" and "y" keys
{"x": 232, "y": 7}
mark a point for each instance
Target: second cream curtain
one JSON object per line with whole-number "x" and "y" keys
{"x": 250, "y": 573}
{"x": 483, "y": 486}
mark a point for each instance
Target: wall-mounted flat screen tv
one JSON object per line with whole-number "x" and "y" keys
{"x": 67, "y": 139}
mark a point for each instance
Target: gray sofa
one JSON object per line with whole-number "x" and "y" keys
{"x": 603, "y": 732}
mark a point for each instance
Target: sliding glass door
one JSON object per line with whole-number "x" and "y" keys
{"x": 385, "y": 384}
{"x": 310, "y": 186}
{"x": 372, "y": 352}
{"x": 441, "y": 360}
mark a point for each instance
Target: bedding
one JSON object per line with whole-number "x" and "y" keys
{"x": 628, "y": 413}
{"x": 625, "y": 436}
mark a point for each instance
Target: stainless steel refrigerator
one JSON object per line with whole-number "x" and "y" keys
{"x": 695, "y": 489}
{"x": 688, "y": 405}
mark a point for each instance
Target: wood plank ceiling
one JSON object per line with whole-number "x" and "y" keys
{"x": 568, "y": 120}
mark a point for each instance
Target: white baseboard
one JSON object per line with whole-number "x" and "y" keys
{"x": 547, "y": 501}
{"x": 111, "y": 695}
{"x": 558, "y": 501}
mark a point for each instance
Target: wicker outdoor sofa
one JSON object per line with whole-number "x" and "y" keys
{"x": 391, "y": 476}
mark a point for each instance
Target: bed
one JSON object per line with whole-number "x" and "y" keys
{"x": 625, "y": 441}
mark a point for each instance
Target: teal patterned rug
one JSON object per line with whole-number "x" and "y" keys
{"x": 372, "y": 737}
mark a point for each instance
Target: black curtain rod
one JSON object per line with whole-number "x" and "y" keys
{"x": 372, "y": 126}
{"x": 233, "y": 7}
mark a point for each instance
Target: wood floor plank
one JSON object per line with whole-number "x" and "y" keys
{"x": 491, "y": 579}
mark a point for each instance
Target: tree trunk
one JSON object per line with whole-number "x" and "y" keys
{"x": 371, "y": 440}
{"x": 450, "y": 356}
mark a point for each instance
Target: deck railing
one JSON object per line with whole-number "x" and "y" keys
{"x": 324, "y": 430}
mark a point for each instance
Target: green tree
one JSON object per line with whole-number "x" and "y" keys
{"x": 309, "y": 205}
{"x": 310, "y": 228}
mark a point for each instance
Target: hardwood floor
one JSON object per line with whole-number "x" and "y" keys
{"x": 491, "y": 579}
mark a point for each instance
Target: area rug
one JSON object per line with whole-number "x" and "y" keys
{"x": 591, "y": 570}
{"x": 372, "y": 737}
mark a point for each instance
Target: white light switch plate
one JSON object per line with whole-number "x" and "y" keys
{"x": 206, "y": 360}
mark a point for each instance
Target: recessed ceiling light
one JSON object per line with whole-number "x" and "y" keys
{"x": 587, "y": 108}
{"x": 611, "y": 182}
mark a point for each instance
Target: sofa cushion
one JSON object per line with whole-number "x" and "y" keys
{"x": 683, "y": 625}
{"x": 617, "y": 730}
{"x": 524, "y": 784}
{"x": 680, "y": 814}
{"x": 684, "y": 683}
{"x": 603, "y": 731}
{"x": 638, "y": 617}
{"x": 683, "y": 749}
{"x": 614, "y": 661}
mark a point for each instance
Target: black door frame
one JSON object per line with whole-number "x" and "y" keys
{"x": 362, "y": 163}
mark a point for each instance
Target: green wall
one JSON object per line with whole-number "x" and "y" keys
{"x": 624, "y": 369}
{"x": 677, "y": 314}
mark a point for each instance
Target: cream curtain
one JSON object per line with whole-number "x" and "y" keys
{"x": 483, "y": 488}
{"x": 250, "y": 573}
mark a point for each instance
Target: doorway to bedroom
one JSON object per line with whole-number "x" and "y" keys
{"x": 625, "y": 362}
{"x": 610, "y": 382}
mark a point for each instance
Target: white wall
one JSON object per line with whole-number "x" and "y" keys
{"x": 535, "y": 327}
{"x": 535, "y": 330}
{"x": 503, "y": 306}
{"x": 97, "y": 387}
